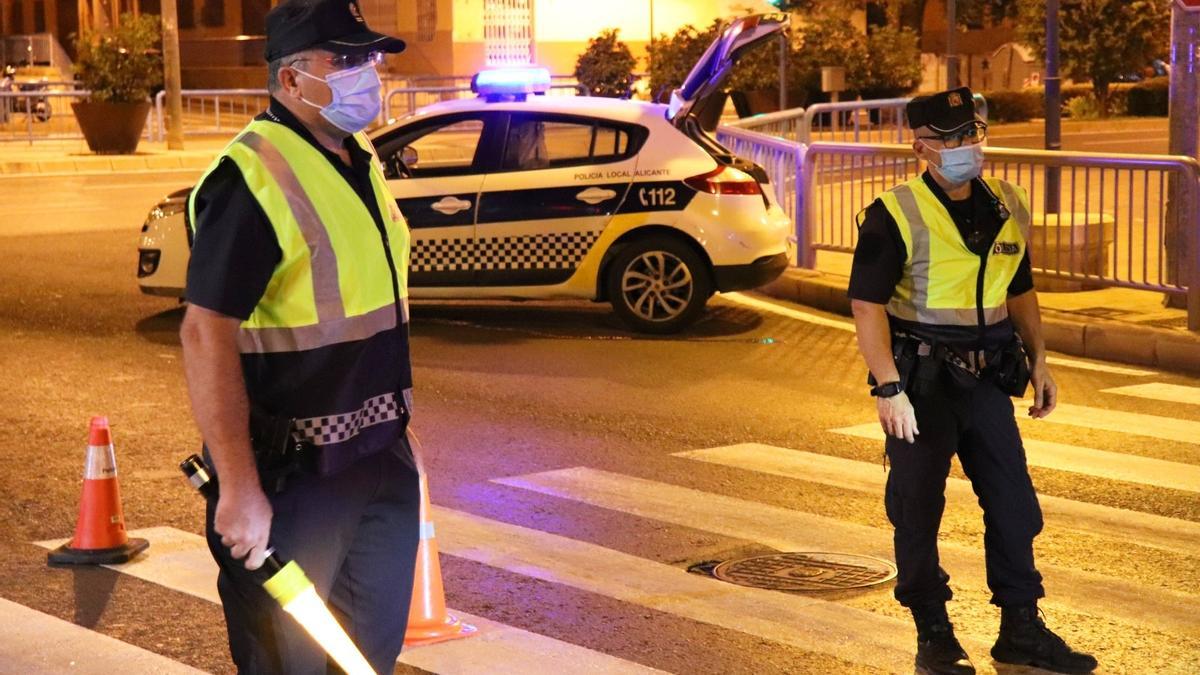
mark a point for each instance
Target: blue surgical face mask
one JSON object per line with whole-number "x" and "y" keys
{"x": 960, "y": 164}
{"x": 356, "y": 97}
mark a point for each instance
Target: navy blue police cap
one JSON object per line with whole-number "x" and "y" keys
{"x": 945, "y": 112}
{"x": 333, "y": 25}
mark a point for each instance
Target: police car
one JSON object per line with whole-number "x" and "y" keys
{"x": 517, "y": 195}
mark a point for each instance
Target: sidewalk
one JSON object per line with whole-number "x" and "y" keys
{"x": 1112, "y": 324}
{"x": 20, "y": 158}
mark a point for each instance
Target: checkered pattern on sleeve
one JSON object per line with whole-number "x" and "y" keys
{"x": 561, "y": 251}
{"x": 440, "y": 255}
{"x": 338, "y": 428}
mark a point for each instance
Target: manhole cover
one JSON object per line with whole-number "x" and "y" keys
{"x": 806, "y": 571}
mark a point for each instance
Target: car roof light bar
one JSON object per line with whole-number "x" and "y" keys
{"x": 511, "y": 82}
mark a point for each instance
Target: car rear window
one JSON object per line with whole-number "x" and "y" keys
{"x": 538, "y": 142}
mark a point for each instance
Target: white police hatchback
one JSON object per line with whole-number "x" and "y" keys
{"x": 517, "y": 195}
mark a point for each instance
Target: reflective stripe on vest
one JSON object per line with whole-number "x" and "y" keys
{"x": 938, "y": 285}
{"x": 311, "y": 301}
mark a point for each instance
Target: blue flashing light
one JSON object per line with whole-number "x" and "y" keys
{"x": 511, "y": 82}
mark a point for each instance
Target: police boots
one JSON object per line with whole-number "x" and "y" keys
{"x": 1024, "y": 640}
{"x": 938, "y": 651}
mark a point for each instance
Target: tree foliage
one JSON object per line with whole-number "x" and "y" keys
{"x": 606, "y": 66}
{"x": 124, "y": 65}
{"x": 1100, "y": 40}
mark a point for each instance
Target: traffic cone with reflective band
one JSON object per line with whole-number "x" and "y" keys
{"x": 428, "y": 620}
{"x": 100, "y": 537}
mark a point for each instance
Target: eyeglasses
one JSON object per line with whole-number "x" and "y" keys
{"x": 344, "y": 61}
{"x": 971, "y": 135}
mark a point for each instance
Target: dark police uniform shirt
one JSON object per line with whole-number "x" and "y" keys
{"x": 879, "y": 256}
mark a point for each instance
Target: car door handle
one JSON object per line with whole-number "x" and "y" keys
{"x": 595, "y": 195}
{"x": 451, "y": 205}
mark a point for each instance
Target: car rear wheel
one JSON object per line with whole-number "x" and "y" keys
{"x": 658, "y": 285}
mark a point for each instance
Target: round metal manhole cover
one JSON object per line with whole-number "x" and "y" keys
{"x": 806, "y": 571}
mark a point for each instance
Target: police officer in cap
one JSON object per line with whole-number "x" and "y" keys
{"x": 948, "y": 323}
{"x": 296, "y": 349}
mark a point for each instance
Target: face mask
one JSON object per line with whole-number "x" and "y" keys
{"x": 961, "y": 164}
{"x": 356, "y": 99}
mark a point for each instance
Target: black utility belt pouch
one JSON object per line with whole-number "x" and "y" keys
{"x": 907, "y": 355}
{"x": 277, "y": 453}
{"x": 1010, "y": 371}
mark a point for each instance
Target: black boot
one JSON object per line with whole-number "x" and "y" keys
{"x": 938, "y": 651}
{"x": 1024, "y": 640}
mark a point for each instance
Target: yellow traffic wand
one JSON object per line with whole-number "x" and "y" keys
{"x": 291, "y": 588}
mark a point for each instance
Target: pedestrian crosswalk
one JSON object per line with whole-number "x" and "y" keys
{"x": 867, "y": 631}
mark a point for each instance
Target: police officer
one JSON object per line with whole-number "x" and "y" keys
{"x": 296, "y": 348}
{"x": 942, "y": 293}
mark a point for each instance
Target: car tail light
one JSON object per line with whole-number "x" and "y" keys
{"x": 725, "y": 180}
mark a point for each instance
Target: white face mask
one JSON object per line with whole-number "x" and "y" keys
{"x": 356, "y": 97}
{"x": 960, "y": 164}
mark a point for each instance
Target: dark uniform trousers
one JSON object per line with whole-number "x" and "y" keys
{"x": 978, "y": 423}
{"x": 355, "y": 535}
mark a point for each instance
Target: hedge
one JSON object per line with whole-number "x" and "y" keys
{"x": 1014, "y": 106}
{"x": 1149, "y": 97}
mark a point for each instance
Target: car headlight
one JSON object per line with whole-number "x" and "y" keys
{"x": 148, "y": 261}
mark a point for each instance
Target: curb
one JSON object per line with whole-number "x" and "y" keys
{"x": 1094, "y": 339}
{"x": 103, "y": 165}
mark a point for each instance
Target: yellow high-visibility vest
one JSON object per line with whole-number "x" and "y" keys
{"x": 333, "y": 283}
{"x": 940, "y": 283}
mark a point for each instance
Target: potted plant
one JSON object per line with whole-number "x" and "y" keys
{"x": 119, "y": 68}
{"x": 606, "y": 67}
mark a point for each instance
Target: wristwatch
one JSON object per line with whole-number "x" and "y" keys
{"x": 887, "y": 389}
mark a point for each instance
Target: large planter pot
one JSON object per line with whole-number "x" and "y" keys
{"x": 112, "y": 128}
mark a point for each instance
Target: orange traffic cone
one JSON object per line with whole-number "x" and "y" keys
{"x": 100, "y": 537}
{"x": 428, "y": 620}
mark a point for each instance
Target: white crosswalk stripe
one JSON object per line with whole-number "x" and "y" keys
{"x": 180, "y": 561}
{"x": 790, "y": 530}
{"x": 1138, "y": 424}
{"x": 32, "y": 642}
{"x": 1159, "y": 391}
{"x": 1087, "y": 461}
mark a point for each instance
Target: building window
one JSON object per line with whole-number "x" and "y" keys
{"x": 508, "y": 32}
{"x": 212, "y": 13}
{"x": 426, "y": 20}
{"x": 187, "y": 13}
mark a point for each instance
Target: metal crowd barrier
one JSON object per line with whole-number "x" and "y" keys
{"x": 1124, "y": 220}
{"x": 871, "y": 121}
{"x": 205, "y": 111}
{"x": 42, "y": 114}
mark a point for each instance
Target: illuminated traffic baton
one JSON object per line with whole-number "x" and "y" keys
{"x": 291, "y": 588}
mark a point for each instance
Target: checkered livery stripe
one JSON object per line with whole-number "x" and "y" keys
{"x": 440, "y": 255}
{"x": 338, "y": 428}
{"x": 560, "y": 251}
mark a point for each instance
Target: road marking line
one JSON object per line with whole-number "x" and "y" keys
{"x": 180, "y": 561}
{"x": 1159, "y": 391}
{"x": 1097, "y": 367}
{"x": 805, "y": 622}
{"x": 1139, "y": 424}
{"x": 848, "y": 326}
{"x": 790, "y": 313}
{"x": 789, "y": 530}
{"x": 33, "y": 643}
{"x": 1086, "y": 461}
{"x": 1145, "y": 529}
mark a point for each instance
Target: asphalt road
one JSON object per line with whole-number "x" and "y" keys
{"x": 566, "y": 514}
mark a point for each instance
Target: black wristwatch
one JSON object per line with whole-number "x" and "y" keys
{"x": 887, "y": 389}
